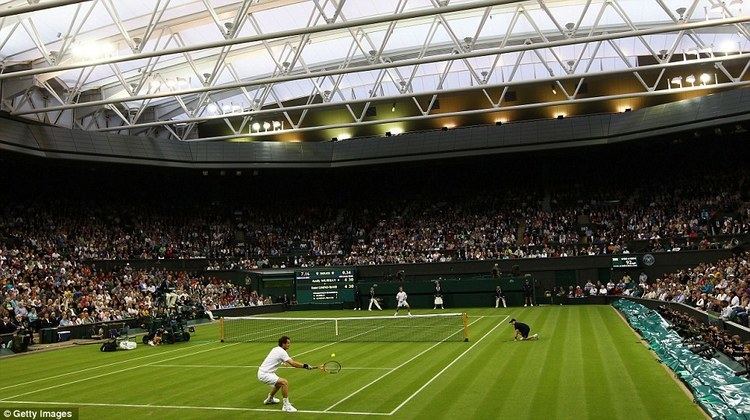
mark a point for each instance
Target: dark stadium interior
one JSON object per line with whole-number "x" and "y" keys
{"x": 478, "y": 208}
{"x": 652, "y": 160}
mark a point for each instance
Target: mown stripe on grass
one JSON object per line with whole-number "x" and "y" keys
{"x": 380, "y": 378}
{"x": 600, "y": 390}
{"x": 545, "y": 394}
{"x": 445, "y": 368}
{"x": 571, "y": 384}
{"x": 454, "y": 390}
{"x": 659, "y": 395}
{"x": 506, "y": 395}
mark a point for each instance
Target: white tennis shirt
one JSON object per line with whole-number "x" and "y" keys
{"x": 275, "y": 358}
{"x": 401, "y": 296}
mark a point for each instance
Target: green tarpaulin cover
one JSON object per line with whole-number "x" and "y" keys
{"x": 714, "y": 385}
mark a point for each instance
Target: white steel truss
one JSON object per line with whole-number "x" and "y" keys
{"x": 165, "y": 75}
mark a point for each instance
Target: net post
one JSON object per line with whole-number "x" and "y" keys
{"x": 336, "y": 323}
{"x": 221, "y": 329}
{"x": 466, "y": 326}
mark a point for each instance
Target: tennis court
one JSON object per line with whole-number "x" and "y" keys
{"x": 587, "y": 364}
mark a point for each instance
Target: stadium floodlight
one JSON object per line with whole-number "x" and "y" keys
{"x": 266, "y": 125}
{"x": 212, "y": 108}
{"x": 256, "y": 127}
{"x": 226, "y": 108}
{"x": 154, "y": 84}
{"x": 677, "y": 81}
{"x": 276, "y": 125}
{"x": 705, "y": 78}
{"x": 690, "y": 79}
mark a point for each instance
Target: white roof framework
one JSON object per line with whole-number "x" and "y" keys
{"x": 163, "y": 66}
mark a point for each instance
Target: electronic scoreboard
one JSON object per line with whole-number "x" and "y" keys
{"x": 331, "y": 285}
{"x": 625, "y": 262}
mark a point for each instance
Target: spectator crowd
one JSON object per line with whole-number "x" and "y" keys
{"x": 40, "y": 290}
{"x": 480, "y": 226}
{"x": 50, "y": 249}
{"x": 722, "y": 287}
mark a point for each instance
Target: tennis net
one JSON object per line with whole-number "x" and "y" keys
{"x": 426, "y": 328}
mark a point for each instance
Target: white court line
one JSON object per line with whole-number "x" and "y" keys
{"x": 117, "y": 371}
{"x": 447, "y": 366}
{"x": 105, "y": 365}
{"x": 397, "y": 367}
{"x": 190, "y": 407}
{"x": 257, "y": 366}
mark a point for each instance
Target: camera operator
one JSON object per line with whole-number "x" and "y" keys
{"x": 7, "y": 327}
{"x": 156, "y": 341}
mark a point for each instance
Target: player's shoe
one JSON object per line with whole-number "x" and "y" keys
{"x": 534, "y": 337}
{"x": 288, "y": 408}
{"x": 524, "y": 305}
{"x": 410, "y": 314}
{"x": 271, "y": 400}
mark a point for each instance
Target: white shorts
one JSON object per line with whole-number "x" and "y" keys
{"x": 268, "y": 378}
{"x": 403, "y": 304}
{"x": 438, "y": 301}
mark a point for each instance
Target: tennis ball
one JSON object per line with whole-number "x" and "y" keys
{"x": 333, "y": 354}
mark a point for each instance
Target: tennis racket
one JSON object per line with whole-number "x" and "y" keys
{"x": 331, "y": 367}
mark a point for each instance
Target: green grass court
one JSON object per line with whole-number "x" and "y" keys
{"x": 587, "y": 364}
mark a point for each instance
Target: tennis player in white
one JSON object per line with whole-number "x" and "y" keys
{"x": 267, "y": 373}
{"x": 401, "y": 301}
